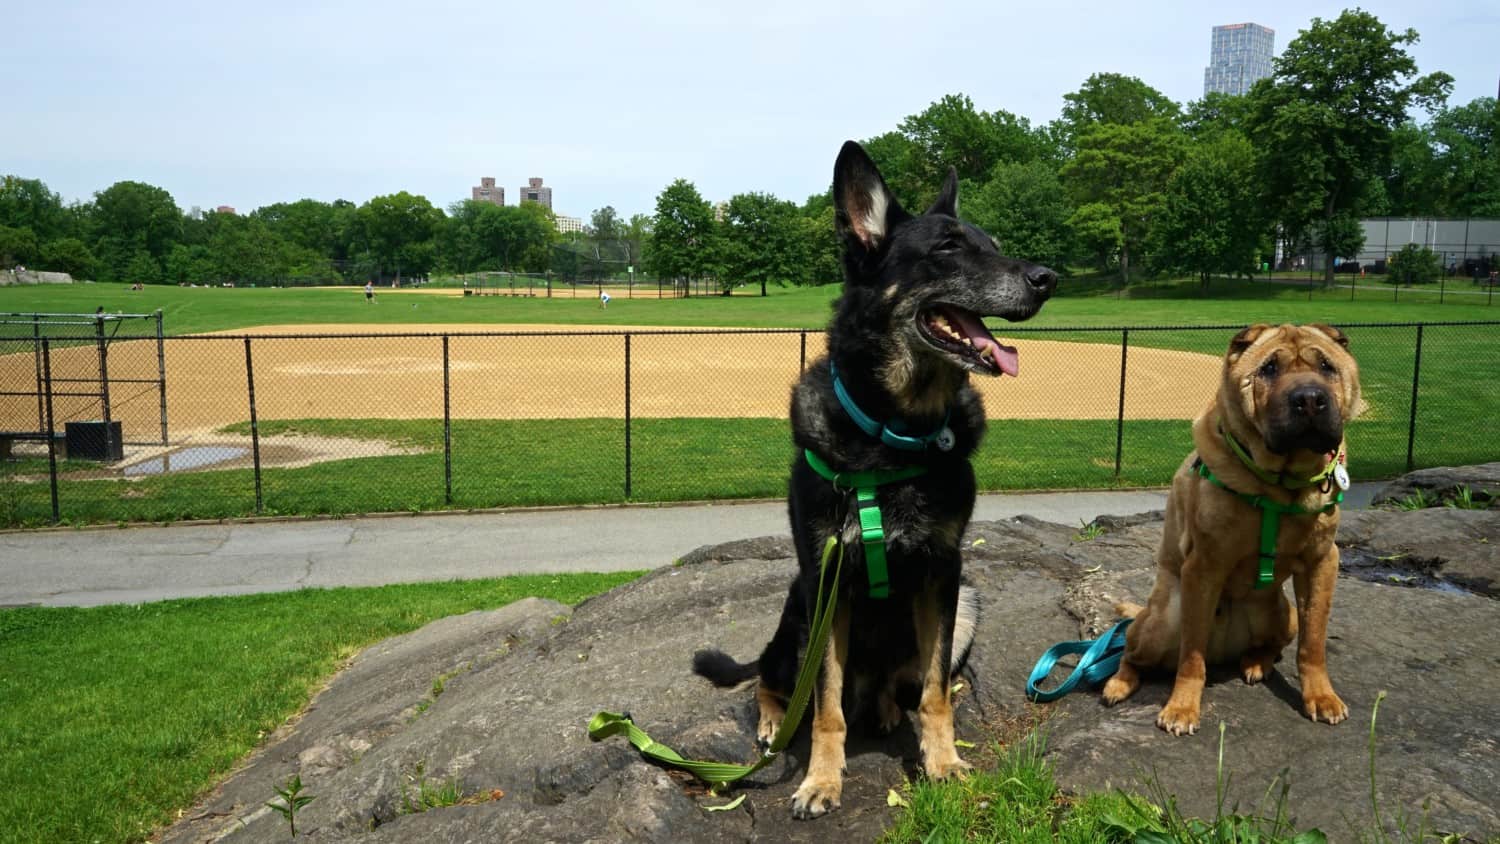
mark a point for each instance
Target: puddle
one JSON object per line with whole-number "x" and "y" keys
{"x": 181, "y": 460}
{"x": 1396, "y": 570}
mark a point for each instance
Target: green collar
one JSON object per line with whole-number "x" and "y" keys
{"x": 1280, "y": 479}
{"x": 871, "y": 524}
{"x": 1270, "y": 520}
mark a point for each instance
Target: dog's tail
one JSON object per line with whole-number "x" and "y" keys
{"x": 965, "y": 626}
{"x": 720, "y": 668}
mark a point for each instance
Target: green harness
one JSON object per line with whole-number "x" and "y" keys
{"x": 1271, "y": 511}
{"x": 871, "y": 523}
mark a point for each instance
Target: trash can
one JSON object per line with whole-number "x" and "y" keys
{"x": 94, "y": 441}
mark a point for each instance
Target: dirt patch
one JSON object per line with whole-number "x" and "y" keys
{"x": 554, "y": 372}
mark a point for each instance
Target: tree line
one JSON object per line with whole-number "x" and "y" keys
{"x": 1126, "y": 180}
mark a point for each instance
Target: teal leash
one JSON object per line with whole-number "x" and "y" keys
{"x": 1098, "y": 661}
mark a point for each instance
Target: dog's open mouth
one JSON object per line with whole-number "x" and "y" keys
{"x": 959, "y": 333}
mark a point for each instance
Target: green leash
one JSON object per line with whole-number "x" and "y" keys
{"x": 1270, "y": 521}
{"x": 720, "y": 774}
{"x": 871, "y": 523}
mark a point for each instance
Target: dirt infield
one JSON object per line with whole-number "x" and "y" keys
{"x": 564, "y": 375}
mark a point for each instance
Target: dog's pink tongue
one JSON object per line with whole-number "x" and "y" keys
{"x": 1005, "y": 356}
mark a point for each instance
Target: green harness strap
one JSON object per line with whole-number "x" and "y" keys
{"x": 1270, "y": 521}
{"x": 720, "y": 774}
{"x": 871, "y": 523}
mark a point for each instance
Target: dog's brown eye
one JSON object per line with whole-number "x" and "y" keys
{"x": 1327, "y": 368}
{"x": 1268, "y": 369}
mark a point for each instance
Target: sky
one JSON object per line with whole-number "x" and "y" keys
{"x": 247, "y": 104}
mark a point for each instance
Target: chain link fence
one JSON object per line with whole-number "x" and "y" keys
{"x": 237, "y": 425}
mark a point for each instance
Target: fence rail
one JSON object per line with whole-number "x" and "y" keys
{"x": 304, "y": 423}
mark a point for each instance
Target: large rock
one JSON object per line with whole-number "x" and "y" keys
{"x": 1442, "y": 483}
{"x": 519, "y": 684}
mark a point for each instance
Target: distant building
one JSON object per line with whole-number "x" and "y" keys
{"x": 721, "y": 210}
{"x": 225, "y": 209}
{"x": 533, "y": 191}
{"x": 196, "y": 213}
{"x": 566, "y": 224}
{"x": 1240, "y": 54}
{"x": 488, "y": 191}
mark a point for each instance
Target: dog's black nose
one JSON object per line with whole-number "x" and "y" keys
{"x": 1309, "y": 401}
{"x": 1042, "y": 279}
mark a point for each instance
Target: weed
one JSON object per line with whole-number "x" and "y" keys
{"x": 1088, "y": 531}
{"x": 1465, "y": 499}
{"x": 292, "y": 801}
{"x": 418, "y": 793}
{"x": 1418, "y": 500}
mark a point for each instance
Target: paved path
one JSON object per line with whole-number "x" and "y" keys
{"x": 138, "y": 564}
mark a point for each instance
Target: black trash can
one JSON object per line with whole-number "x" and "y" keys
{"x": 88, "y": 441}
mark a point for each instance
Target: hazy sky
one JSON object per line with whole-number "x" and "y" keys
{"x": 246, "y": 104}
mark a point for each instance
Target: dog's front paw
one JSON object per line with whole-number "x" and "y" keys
{"x": 1255, "y": 667}
{"x": 1117, "y": 690}
{"x": 1325, "y": 707}
{"x": 1178, "y": 719}
{"x": 815, "y": 798}
{"x": 946, "y": 768}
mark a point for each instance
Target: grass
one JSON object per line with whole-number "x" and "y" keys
{"x": 1084, "y": 303}
{"x": 117, "y": 716}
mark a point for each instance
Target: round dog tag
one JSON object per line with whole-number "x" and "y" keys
{"x": 945, "y": 439}
{"x": 1341, "y": 476}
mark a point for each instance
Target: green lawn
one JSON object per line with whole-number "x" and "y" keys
{"x": 189, "y": 310}
{"x": 117, "y": 716}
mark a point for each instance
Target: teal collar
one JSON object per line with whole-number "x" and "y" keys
{"x": 871, "y": 523}
{"x": 1270, "y": 520}
{"x": 889, "y": 432}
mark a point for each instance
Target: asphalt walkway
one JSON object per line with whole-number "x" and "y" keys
{"x": 108, "y": 565}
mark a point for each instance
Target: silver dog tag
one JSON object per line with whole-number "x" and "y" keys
{"x": 945, "y": 439}
{"x": 1341, "y": 477}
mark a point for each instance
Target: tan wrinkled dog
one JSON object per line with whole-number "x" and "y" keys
{"x": 1285, "y": 395}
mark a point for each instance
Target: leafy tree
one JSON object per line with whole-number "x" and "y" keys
{"x": 190, "y": 265}
{"x": 952, "y": 133}
{"x": 1123, "y": 167}
{"x": 1208, "y": 223}
{"x": 1414, "y": 264}
{"x": 900, "y": 162}
{"x": 68, "y": 255}
{"x": 307, "y": 223}
{"x": 130, "y": 218}
{"x": 1216, "y": 113}
{"x": 397, "y": 230}
{"x": 763, "y": 241}
{"x": 1467, "y": 154}
{"x": 1111, "y": 98}
{"x": 634, "y": 234}
{"x": 141, "y": 267}
{"x": 820, "y": 241}
{"x": 1097, "y": 227}
{"x": 682, "y": 233}
{"x": 1324, "y": 120}
{"x": 17, "y": 246}
{"x": 605, "y": 224}
{"x": 28, "y": 204}
{"x": 1024, "y": 206}
{"x": 1414, "y": 185}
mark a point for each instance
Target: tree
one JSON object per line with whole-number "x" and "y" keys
{"x": 1111, "y": 98}
{"x": 1216, "y": 113}
{"x": 1024, "y": 206}
{"x": 1467, "y": 155}
{"x": 68, "y": 255}
{"x": 397, "y": 230}
{"x": 604, "y": 224}
{"x": 17, "y": 246}
{"x": 682, "y": 233}
{"x": 1414, "y": 264}
{"x": 1123, "y": 168}
{"x": 952, "y": 133}
{"x": 763, "y": 241}
{"x": 129, "y": 219}
{"x": 28, "y": 204}
{"x": 1324, "y": 120}
{"x": 1209, "y": 222}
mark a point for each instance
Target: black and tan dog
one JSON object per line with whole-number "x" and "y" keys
{"x": 892, "y": 395}
{"x": 1274, "y": 430}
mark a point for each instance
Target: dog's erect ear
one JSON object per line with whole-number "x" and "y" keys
{"x": 865, "y": 209}
{"x": 1334, "y": 334}
{"x": 1245, "y": 339}
{"x": 947, "y": 198}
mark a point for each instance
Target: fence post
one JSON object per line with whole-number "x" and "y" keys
{"x": 51, "y": 440}
{"x": 161, "y": 373}
{"x": 1120, "y": 417}
{"x": 254, "y": 426}
{"x": 802, "y": 358}
{"x": 109, "y": 439}
{"x": 627, "y": 415}
{"x": 36, "y": 351}
{"x": 447, "y": 431}
{"x": 1416, "y": 377}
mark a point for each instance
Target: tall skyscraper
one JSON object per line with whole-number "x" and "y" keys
{"x": 488, "y": 191}
{"x": 1241, "y": 53}
{"x": 533, "y": 191}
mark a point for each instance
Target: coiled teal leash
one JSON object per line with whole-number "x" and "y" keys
{"x": 1099, "y": 660}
